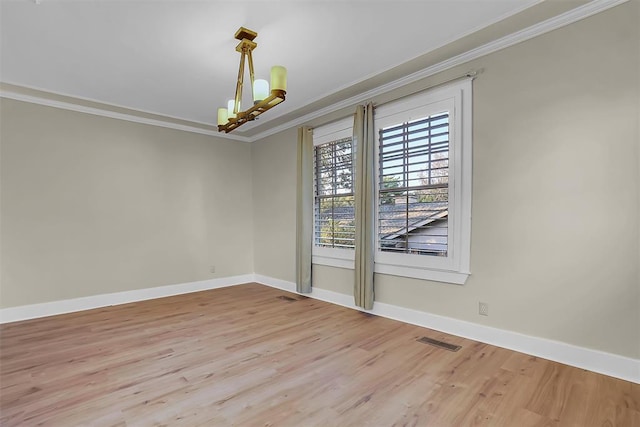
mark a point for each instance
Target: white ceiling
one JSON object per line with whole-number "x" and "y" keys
{"x": 178, "y": 58}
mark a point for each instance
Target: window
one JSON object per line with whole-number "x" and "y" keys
{"x": 414, "y": 186}
{"x": 423, "y": 163}
{"x": 424, "y": 185}
{"x": 334, "y": 202}
{"x": 334, "y": 210}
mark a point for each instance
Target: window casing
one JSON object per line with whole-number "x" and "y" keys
{"x": 423, "y": 164}
{"x": 334, "y": 210}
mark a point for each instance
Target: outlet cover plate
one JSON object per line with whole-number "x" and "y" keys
{"x": 483, "y": 309}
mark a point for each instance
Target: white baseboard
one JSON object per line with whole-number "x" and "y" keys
{"x": 32, "y": 311}
{"x": 593, "y": 360}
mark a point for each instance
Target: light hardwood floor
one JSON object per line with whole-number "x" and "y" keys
{"x": 241, "y": 356}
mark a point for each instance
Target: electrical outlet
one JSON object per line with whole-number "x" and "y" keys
{"x": 212, "y": 269}
{"x": 483, "y": 309}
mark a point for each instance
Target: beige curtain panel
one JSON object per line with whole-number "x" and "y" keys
{"x": 304, "y": 210}
{"x": 364, "y": 143}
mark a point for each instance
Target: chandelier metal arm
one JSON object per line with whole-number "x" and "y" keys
{"x": 276, "y": 97}
{"x": 252, "y": 77}
{"x": 239, "y": 84}
{"x": 245, "y": 47}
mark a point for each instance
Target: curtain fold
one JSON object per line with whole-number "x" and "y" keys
{"x": 304, "y": 210}
{"x": 364, "y": 143}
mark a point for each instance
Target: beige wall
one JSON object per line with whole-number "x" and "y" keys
{"x": 92, "y": 205}
{"x": 555, "y": 197}
{"x": 274, "y": 205}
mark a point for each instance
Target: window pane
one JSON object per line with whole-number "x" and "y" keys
{"x": 413, "y": 200}
{"x": 334, "y": 200}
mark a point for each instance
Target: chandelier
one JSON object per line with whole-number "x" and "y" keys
{"x": 263, "y": 100}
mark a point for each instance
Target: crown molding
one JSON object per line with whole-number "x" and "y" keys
{"x": 564, "y": 19}
{"x": 589, "y": 9}
{"x": 115, "y": 115}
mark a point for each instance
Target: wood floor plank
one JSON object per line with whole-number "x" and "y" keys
{"x": 241, "y": 356}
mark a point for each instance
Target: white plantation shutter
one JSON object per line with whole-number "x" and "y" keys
{"x": 423, "y": 224}
{"x": 413, "y": 183}
{"x": 334, "y": 214}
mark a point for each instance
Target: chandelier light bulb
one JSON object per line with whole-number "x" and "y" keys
{"x": 260, "y": 90}
{"x": 278, "y": 78}
{"x": 230, "y": 108}
{"x": 223, "y": 116}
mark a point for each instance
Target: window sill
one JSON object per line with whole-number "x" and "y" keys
{"x": 333, "y": 262}
{"x": 445, "y": 276}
